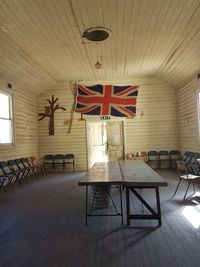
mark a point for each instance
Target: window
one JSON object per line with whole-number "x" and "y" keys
{"x": 6, "y": 122}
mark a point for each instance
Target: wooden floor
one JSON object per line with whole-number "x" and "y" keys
{"x": 42, "y": 224}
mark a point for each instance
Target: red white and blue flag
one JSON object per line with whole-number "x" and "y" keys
{"x": 106, "y": 100}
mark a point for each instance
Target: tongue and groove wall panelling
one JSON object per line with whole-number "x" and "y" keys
{"x": 25, "y": 125}
{"x": 62, "y": 141}
{"x": 188, "y": 117}
{"x": 155, "y": 125}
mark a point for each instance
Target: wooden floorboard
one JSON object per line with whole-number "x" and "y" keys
{"x": 42, "y": 223}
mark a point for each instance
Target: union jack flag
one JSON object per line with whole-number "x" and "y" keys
{"x": 105, "y": 100}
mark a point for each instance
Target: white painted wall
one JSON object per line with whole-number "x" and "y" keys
{"x": 25, "y": 125}
{"x": 188, "y": 117}
{"x": 156, "y": 129}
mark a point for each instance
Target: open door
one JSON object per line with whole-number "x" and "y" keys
{"x": 105, "y": 141}
{"x": 115, "y": 140}
{"x": 97, "y": 142}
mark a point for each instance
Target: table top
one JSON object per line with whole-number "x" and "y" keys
{"x": 128, "y": 173}
{"x": 103, "y": 173}
{"x": 138, "y": 173}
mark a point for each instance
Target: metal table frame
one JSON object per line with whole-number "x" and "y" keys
{"x": 155, "y": 215}
{"x": 131, "y": 175}
{"x": 88, "y": 214}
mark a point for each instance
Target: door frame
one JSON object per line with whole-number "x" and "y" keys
{"x": 96, "y": 120}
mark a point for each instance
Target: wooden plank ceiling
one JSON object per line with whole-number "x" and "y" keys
{"x": 41, "y": 40}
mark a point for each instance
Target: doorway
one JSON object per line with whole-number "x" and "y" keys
{"x": 105, "y": 141}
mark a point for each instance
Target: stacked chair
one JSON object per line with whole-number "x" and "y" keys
{"x": 4, "y": 180}
{"x": 21, "y": 172}
{"x": 38, "y": 169}
{"x": 13, "y": 175}
{"x": 16, "y": 171}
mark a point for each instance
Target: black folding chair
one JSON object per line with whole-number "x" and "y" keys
{"x": 153, "y": 159}
{"x": 27, "y": 166}
{"x": 9, "y": 172}
{"x": 175, "y": 155}
{"x": 15, "y": 169}
{"x": 69, "y": 160}
{"x": 164, "y": 159}
{"x": 185, "y": 175}
{"x": 49, "y": 161}
{"x": 59, "y": 161}
{"x": 4, "y": 181}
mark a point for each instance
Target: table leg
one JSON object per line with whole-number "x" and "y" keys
{"x": 158, "y": 206}
{"x": 127, "y": 206}
{"x": 86, "y": 204}
{"x": 120, "y": 192}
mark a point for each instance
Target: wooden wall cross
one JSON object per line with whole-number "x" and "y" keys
{"x": 49, "y": 112}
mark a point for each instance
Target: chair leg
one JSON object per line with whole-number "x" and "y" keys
{"x": 177, "y": 187}
{"x": 194, "y": 188}
{"x": 186, "y": 190}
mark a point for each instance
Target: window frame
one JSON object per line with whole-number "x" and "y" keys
{"x": 11, "y": 118}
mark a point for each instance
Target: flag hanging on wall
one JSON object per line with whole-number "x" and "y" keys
{"x": 106, "y": 100}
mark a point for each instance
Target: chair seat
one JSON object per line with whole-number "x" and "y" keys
{"x": 189, "y": 177}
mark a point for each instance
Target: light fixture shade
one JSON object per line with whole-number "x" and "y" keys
{"x": 96, "y": 34}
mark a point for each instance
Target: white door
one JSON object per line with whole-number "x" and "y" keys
{"x": 97, "y": 140}
{"x": 115, "y": 140}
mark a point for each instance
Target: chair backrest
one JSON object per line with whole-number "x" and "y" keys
{"x": 189, "y": 157}
{"x": 19, "y": 164}
{"x": 1, "y": 171}
{"x": 25, "y": 162}
{"x": 152, "y": 154}
{"x": 182, "y": 168}
{"x": 59, "y": 158}
{"x": 175, "y": 154}
{"x": 5, "y": 167}
{"x": 13, "y": 165}
{"x": 198, "y": 162}
{"x": 129, "y": 156}
{"x": 164, "y": 154}
{"x": 34, "y": 160}
{"x": 30, "y": 161}
{"x": 185, "y": 155}
{"x": 141, "y": 155}
{"x": 194, "y": 158}
{"x": 48, "y": 158}
{"x": 69, "y": 156}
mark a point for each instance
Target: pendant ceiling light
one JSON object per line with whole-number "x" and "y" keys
{"x": 97, "y": 65}
{"x": 97, "y": 34}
